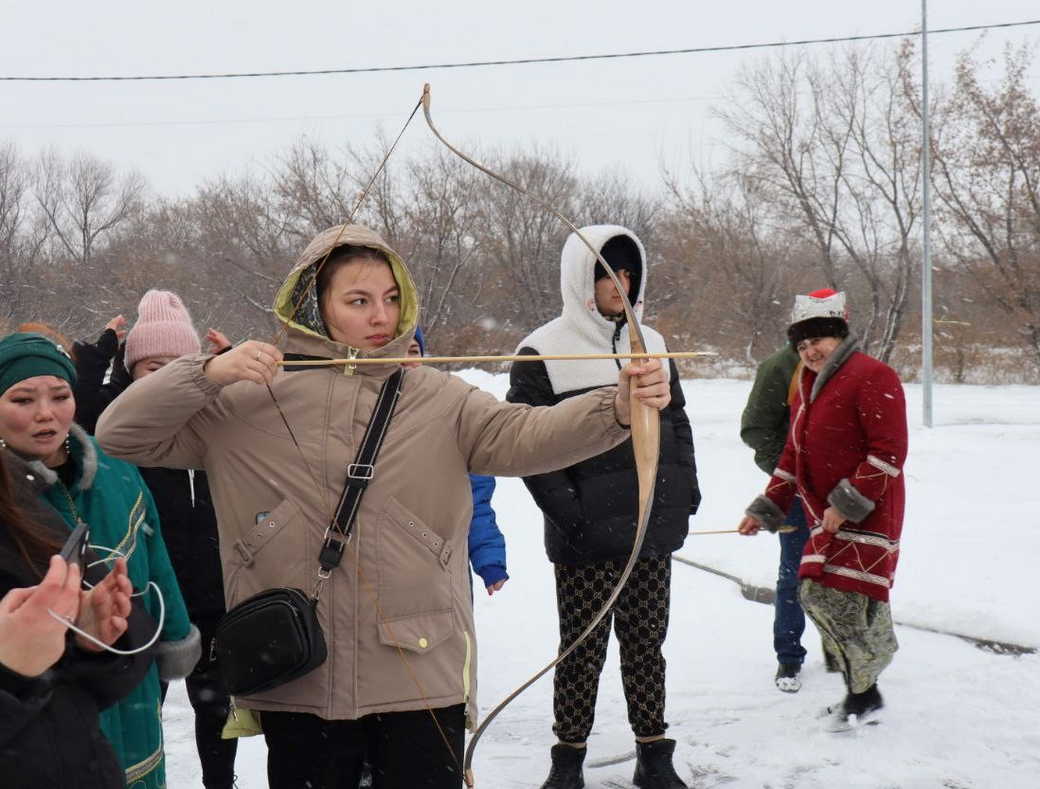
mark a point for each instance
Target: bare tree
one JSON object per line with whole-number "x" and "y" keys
{"x": 441, "y": 216}
{"x": 833, "y": 140}
{"x": 314, "y": 187}
{"x": 885, "y": 186}
{"x": 725, "y": 237}
{"x": 987, "y": 154}
{"x": 520, "y": 241}
{"x": 84, "y": 199}
{"x": 611, "y": 198}
{"x": 22, "y": 235}
{"x": 775, "y": 114}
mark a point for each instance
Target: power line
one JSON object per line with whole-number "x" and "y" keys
{"x": 515, "y": 62}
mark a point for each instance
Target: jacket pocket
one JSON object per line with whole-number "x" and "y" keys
{"x": 419, "y": 633}
{"x": 267, "y": 555}
{"x": 413, "y": 569}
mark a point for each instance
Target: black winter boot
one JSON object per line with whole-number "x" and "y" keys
{"x": 862, "y": 704}
{"x": 565, "y": 772}
{"x": 654, "y": 768}
{"x": 854, "y": 710}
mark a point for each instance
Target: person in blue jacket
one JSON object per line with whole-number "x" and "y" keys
{"x": 487, "y": 546}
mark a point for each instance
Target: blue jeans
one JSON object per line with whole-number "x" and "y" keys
{"x": 789, "y": 619}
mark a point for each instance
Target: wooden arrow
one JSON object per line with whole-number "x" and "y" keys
{"x": 511, "y": 358}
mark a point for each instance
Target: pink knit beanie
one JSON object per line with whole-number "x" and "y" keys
{"x": 163, "y": 328}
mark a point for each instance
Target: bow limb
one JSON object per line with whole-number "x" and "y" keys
{"x": 646, "y": 440}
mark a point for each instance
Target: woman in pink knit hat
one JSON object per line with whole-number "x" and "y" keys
{"x": 163, "y": 332}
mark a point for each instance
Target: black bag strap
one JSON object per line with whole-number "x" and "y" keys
{"x": 359, "y": 474}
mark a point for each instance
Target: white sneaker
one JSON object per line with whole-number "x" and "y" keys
{"x": 787, "y": 678}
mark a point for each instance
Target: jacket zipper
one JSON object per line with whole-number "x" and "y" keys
{"x": 614, "y": 342}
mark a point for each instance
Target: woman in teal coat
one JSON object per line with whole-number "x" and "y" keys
{"x": 84, "y": 484}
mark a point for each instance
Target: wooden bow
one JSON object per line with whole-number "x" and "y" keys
{"x": 646, "y": 440}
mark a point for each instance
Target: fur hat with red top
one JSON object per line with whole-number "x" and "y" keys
{"x": 163, "y": 328}
{"x": 822, "y": 313}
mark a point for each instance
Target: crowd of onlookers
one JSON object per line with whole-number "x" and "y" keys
{"x": 149, "y": 484}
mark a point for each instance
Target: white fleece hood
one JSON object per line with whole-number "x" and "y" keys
{"x": 581, "y": 328}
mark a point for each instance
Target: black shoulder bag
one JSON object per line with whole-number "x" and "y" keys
{"x": 274, "y": 636}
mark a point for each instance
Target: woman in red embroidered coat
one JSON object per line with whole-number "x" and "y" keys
{"x": 844, "y": 456}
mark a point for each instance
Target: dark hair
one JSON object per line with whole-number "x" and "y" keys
{"x": 340, "y": 257}
{"x": 816, "y": 327}
{"x": 34, "y": 543}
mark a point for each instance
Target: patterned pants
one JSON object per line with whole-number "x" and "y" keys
{"x": 855, "y": 628}
{"x": 640, "y": 617}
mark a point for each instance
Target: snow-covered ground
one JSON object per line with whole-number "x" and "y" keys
{"x": 956, "y": 716}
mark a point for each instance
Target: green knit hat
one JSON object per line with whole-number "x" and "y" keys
{"x": 25, "y": 355}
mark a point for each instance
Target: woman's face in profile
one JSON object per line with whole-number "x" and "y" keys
{"x": 35, "y": 415}
{"x": 362, "y": 304}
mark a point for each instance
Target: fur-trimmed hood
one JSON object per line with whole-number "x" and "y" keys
{"x": 84, "y": 455}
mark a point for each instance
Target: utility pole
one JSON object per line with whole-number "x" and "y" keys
{"x": 926, "y": 262}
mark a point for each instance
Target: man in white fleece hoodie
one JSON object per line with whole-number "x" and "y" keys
{"x": 591, "y": 508}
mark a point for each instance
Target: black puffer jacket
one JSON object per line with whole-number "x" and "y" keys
{"x": 189, "y": 526}
{"x": 49, "y": 732}
{"x": 590, "y": 508}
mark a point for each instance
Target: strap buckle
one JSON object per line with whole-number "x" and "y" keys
{"x": 359, "y": 474}
{"x": 366, "y": 471}
{"x": 331, "y": 554}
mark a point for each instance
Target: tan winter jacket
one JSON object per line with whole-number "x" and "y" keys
{"x": 397, "y": 612}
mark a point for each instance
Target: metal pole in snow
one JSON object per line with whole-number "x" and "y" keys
{"x": 926, "y": 262}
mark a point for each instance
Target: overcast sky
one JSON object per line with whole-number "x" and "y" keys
{"x": 627, "y": 112}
